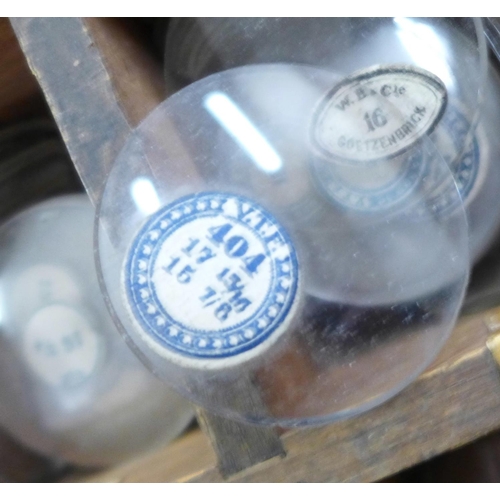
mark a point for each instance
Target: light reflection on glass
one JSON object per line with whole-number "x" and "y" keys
{"x": 425, "y": 47}
{"x": 242, "y": 130}
{"x": 144, "y": 195}
{"x": 2, "y": 308}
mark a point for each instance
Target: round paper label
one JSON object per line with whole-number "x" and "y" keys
{"x": 469, "y": 170}
{"x": 377, "y": 113}
{"x": 60, "y": 346}
{"x": 211, "y": 276}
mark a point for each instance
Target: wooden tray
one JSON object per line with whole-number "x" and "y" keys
{"x": 106, "y": 63}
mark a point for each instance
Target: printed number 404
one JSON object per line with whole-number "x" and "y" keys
{"x": 235, "y": 246}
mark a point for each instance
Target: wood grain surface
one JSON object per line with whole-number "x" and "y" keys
{"x": 456, "y": 401}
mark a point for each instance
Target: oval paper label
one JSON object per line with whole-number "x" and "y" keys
{"x": 60, "y": 346}
{"x": 387, "y": 185}
{"x": 211, "y": 279}
{"x": 378, "y": 113}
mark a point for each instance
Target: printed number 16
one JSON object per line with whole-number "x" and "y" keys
{"x": 377, "y": 119}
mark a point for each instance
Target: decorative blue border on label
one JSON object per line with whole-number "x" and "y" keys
{"x": 177, "y": 335}
{"x": 465, "y": 169}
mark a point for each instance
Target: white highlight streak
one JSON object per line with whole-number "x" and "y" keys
{"x": 426, "y": 48}
{"x": 236, "y": 124}
{"x": 144, "y": 195}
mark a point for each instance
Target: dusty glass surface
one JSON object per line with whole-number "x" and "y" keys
{"x": 265, "y": 280}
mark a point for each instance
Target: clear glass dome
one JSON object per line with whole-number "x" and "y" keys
{"x": 248, "y": 280}
{"x": 453, "y": 49}
{"x": 70, "y": 387}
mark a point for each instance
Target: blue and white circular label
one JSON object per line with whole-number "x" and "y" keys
{"x": 212, "y": 280}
